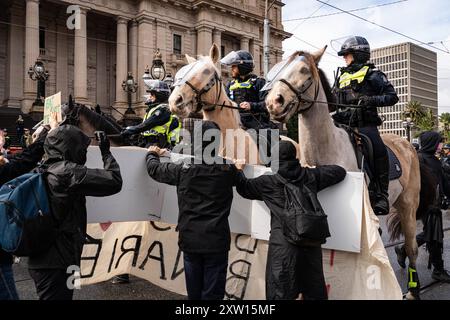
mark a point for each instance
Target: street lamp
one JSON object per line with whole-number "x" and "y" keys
{"x": 39, "y": 74}
{"x": 408, "y": 124}
{"x": 158, "y": 72}
{"x": 169, "y": 80}
{"x": 129, "y": 86}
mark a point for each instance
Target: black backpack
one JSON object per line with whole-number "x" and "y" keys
{"x": 304, "y": 223}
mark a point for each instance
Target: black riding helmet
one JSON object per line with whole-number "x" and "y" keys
{"x": 159, "y": 88}
{"x": 242, "y": 59}
{"x": 358, "y": 46}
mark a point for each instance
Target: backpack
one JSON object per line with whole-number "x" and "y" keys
{"x": 304, "y": 223}
{"x": 26, "y": 225}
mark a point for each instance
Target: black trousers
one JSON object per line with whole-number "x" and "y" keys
{"x": 51, "y": 284}
{"x": 205, "y": 275}
{"x": 379, "y": 149}
{"x": 292, "y": 270}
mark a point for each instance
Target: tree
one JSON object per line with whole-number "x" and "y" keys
{"x": 445, "y": 119}
{"x": 422, "y": 117}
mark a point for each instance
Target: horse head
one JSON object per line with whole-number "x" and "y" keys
{"x": 292, "y": 83}
{"x": 193, "y": 84}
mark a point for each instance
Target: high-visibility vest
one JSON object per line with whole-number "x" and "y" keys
{"x": 164, "y": 128}
{"x": 346, "y": 78}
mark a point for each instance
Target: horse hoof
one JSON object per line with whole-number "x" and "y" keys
{"x": 412, "y": 296}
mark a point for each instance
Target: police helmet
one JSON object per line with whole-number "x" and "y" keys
{"x": 358, "y": 47}
{"x": 242, "y": 59}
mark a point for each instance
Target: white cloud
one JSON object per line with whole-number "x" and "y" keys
{"x": 427, "y": 21}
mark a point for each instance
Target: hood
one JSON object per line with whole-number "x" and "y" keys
{"x": 429, "y": 142}
{"x": 289, "y": 166}
{"x": 68, "y": 143}
{"x": 210, "y": 140}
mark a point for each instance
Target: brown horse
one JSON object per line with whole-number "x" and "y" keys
{"x": 203, "y": 90}
{"x": 298, "y": 89}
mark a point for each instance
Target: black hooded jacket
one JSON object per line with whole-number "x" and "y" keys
{"x": 429, "y": 142}
{"x": 20, "y": 164}
{"x": 205, "y": 194}
{"x": 270, "y": 189}
{"x": 69, "y": 181}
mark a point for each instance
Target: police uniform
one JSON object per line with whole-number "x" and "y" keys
{"x": 362, "y": 84}
{"x": 249, "y": 90}
{"x": 159, "y": 127}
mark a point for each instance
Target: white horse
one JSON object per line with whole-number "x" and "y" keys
{"x": 298, "y": 89}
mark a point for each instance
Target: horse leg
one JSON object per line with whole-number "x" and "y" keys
{"x": 408, "y": 222}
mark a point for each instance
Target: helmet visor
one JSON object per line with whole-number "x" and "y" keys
{"x": 233, "y": 58}
{"x": 156, "y": 85}
{"x": 279, "y": 71}
{"x": 188, "y": 72}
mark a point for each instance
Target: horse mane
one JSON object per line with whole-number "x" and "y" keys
{"x": 98, "y": 121}
{"x": 317, "y": 73}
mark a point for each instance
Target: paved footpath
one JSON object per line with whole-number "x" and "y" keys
{"x": 139, "y": 289}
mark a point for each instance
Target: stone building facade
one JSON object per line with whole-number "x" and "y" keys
{"x": 89, "y": 57}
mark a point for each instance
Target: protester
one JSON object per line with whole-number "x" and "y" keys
{"x": 9, "y": 169}
{"x": 7, "y": 139}
{"x": 433, "y": 233}
{"x": 20, "y": 129}
{"x": 290, "y": 269}
{"x": 69, "y": 182}
{"x": 205, "y": 194}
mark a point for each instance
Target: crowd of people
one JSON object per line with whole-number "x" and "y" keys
{"x": 204, "y": 232}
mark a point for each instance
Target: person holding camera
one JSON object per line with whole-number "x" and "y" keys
{"x": 69, "y": 181}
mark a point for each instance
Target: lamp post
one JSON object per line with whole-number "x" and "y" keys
{"x": 129, "y": 86}
{"x": 38, "y": 73}
{"x": 158, "y": 71}
{"x": 408, "y": 124}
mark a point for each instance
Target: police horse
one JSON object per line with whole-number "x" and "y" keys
{"x": 198, "y": 87}
{"x": 299, "y": 88}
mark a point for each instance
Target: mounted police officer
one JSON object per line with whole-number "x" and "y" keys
{"x": 245, "y": 90}
{"x": 159, "y": 126}
{"x": 365, "y": 88}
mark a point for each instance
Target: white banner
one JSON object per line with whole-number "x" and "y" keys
{"x": 144, "y": 199}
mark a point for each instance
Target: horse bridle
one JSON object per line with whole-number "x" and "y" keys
{"x": 73, "y": 117}
{"x": 300, "y": 93}
{"x": 197, "y": 101}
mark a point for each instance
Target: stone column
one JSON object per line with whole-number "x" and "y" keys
{"x": 255, "y": 51}
{"x": 62, "y": 62}
{"x": 145, "y": 55}
{"x": 245, "y": 43}
{"x": 14, "y": 64}
{"x": 161, "y": 38}
{"x": 102, "y": 76}
{"x": 204, "y": 40}
{"x": 121, "y": 63}
{"x": 133, "y": 52}
{"x": 217, "y": 38}
{"x": 31, "y": 52}
{"x": 80, "y": 60}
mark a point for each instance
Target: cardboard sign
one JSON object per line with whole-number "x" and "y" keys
{"x": 144, "y": 199}
{"x": 52, "y": 110}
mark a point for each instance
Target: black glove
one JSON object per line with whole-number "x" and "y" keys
{"x": 103, "y": 142}
{"x": 365, "y": 101}
{"x": 127, "y": 132}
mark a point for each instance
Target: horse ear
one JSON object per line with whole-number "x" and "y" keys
{"x": 318, "y": 55}
{"x": 214, "y": 53}
{"x": 70, "y": 102}
{"x": 190, "y": 59}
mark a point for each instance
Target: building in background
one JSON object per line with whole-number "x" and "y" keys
{"x": 412, "y": 70}
{"x": 115, "y": 37}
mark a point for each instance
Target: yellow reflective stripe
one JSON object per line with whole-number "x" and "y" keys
{"x": 241, "y": 85}
{"x": 346, "y": 78}
{"x": 161, "y": 129}
{"x": 411, "y": 283}
{"x": 175, "y": 132}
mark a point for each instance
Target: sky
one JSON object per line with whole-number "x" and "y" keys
{"x": 426, "y": 21}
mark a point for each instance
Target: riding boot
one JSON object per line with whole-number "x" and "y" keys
{"x": 381, "y": 205}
